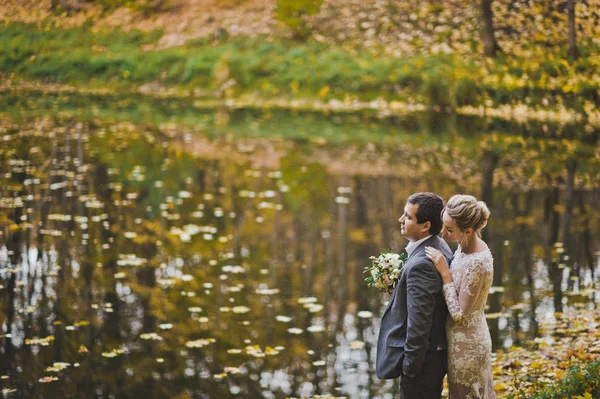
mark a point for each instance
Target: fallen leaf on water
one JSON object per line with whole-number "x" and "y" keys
{"x": 231, "y": 370}
{"x": 271, "y": 351}
{"x": 310, "y": 299}
{"x": 313, "y": 307}
{"x": 58, "y": 366}
{"x": 255, "y": 351}
{"x": 365, "y": 314}
{"x": 151, "y": 336}
{"x": 114, "y": 353}
{"x": 40, "y": 341}
{"x": 267, "y": 291}
{"x": 199, "y": 343}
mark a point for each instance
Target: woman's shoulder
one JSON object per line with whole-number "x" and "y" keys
{"x": 480, "y": 259}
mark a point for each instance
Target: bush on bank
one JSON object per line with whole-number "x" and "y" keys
{"x": 582, "y": 381}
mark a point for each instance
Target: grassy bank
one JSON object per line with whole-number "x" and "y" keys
{"x": 276, "y": 68}
{"x": 583, "y": 381}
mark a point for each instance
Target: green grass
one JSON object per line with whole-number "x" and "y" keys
{"x": 271, "y": 68}
{"x": 581, "y": 380}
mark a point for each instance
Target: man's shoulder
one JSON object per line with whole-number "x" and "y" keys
{"x": 439, "y": 243}
{"x": 435, "y": 240}
{"x": 420, "y": 267}
{"x": 419, "y": 260}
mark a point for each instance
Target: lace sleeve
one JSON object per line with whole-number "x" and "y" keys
{"x": 460, "y": 304}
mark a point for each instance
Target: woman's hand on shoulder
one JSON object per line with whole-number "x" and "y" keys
{"x": 440, "y": 263}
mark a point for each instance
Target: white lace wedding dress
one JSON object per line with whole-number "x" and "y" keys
{"x": 469, "y": 342}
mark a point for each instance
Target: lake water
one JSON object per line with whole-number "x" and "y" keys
{"x": 154, "y": 249}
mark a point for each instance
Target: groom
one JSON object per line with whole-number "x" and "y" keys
{"x": 412, "y": 338}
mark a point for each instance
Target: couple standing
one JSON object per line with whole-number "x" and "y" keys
{"x": 417, "y": 341}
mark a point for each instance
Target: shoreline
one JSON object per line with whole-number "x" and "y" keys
{"x": 519, "y": 113}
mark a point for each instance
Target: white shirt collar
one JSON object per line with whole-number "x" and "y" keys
{"x": 414, "y": 244}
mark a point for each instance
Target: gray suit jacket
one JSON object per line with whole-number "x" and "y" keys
{"x": 414, "y": 321}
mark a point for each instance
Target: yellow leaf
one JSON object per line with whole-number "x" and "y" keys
{"x": 537, "y": 365}
{"x": 501, "y": 386}
{"x": 324, "y": 91}
{"x": 294, "y": 86}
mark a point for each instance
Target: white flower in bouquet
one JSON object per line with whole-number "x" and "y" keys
{"x": 385, "y": 270}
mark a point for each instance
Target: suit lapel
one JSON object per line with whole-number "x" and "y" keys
{"x": 389, "y": 305}
{"x": 411, "y": 258}
{"x": 395, "y": 292}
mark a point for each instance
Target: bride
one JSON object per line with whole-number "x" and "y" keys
{"x": 466, "y": 287}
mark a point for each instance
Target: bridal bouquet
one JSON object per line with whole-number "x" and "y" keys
{"x": 385, "y": 271}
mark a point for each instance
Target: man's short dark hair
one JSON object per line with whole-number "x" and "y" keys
{"x": 430, "y": 210}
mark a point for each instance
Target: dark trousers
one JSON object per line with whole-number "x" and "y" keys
{"x": 428, "y": 384}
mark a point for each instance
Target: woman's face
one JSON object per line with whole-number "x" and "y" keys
{"x": 450, "y": 231}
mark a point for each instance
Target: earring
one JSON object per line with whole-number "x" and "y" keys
{"x": 464, "y": 240}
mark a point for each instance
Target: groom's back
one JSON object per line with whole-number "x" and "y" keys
{"x": 437, "y": 339}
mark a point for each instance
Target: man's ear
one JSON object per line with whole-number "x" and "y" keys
{"x": 426, "y": 226}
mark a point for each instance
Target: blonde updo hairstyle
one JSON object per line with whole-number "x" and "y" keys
{"x": 467, "y": 212}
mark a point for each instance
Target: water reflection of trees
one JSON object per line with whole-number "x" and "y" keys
{"x": 304, "y": 229}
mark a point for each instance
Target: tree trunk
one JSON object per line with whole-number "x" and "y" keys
{"x": 388, "y": 222}
{"x": 573, "y": 51}
{"x": 571, "y": 167}
{"x": 342, "y": 271}
{"x": 552, "y": 220}
{"x": 490, "y": 161}
{"x": 490, "y": 46}
{"x": 586, "y": 236}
